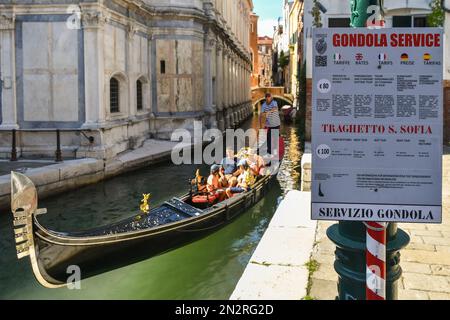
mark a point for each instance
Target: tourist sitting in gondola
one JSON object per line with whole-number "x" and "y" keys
{"x": 214, "y": 185}
{"x": 245, "y": 180}
{"x": 256, "y": 163}
{"x": 229, "y": 172}
{"x": 198, "y": 184}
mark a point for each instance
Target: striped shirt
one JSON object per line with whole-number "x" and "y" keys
{"x": 273, "y": 116}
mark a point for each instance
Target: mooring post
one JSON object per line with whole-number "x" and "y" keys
{"x": 58, "y": 146}
{"x": 350, "y": 237}
{"x": 14, "y": 146}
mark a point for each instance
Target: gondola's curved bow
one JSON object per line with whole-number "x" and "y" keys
{"x": 24, "y": 200}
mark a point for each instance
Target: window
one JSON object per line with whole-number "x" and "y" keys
{"x": 294, "y": 38}
{"x": 114, "y": 97}
{"x": 139, "y": 97}
{"x": 420, "y": 22}
{"x": 409, "y": 21}
{"x": 339, "y": 23}
{"x": 402, "y": 22}
{"x": 163, "y": 66}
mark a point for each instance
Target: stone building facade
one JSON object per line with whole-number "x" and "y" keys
{"x": 265, "y": 53}
{"x": 120, "y": 71}
{"x": 281, "y": 74}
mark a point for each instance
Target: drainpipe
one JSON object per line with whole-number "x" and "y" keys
{"x": 350, "y": 237}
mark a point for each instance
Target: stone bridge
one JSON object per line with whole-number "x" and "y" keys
{"x": 258, "y": 95}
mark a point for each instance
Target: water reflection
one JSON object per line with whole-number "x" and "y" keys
{"x": 206, "y": 269}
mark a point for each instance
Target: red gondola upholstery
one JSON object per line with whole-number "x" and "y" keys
{"x": 282, "y": 148}
{"x": 204, "y": 199}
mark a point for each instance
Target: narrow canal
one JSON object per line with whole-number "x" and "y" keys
{"x": 207, "y": 269}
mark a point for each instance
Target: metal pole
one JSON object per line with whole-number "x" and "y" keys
{"x": 367, "y": 13}
{"x": 376, "y": 261}
{"x": 14, "y": 146}
{"x": 58, "y": 146}
{"x": 351, "y": 237}
{"x": 375, "y": 232}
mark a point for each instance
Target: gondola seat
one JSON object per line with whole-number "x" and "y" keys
{"x": 204, "y": 199}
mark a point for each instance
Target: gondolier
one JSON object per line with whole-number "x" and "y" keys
{"x": 270, "y": 120}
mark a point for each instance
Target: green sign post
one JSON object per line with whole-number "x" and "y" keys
{"x": 361, "y": 13}
{"x": 350, "y": 237}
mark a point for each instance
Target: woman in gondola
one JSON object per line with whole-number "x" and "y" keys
{"x": 245, "y": 180}
{"x": 256, "y": 163}
{"x": 214, "y": 185}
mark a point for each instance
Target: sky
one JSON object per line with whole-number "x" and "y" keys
{"x": 268, "y": 12}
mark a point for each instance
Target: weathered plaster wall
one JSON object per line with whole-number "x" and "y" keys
{"x": 180, "y": 88}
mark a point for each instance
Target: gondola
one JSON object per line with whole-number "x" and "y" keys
{"x": 174, "y": 223}
{"x": 289, "y": 113}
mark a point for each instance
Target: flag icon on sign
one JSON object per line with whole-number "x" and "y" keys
{"x": 359, "y": 57}
{"x": 427, "y": 57}
{"x": 382, "y": 57}
{"x": 337, "y": 57}
{"x": 405, "y": 57}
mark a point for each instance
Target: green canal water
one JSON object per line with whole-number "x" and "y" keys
{"x": 206, "y": 269}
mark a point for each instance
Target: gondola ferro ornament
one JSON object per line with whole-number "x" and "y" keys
{"x": 24, "y": 201}
{"x": 145, "y": 206}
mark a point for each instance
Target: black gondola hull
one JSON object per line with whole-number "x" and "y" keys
{"x": 55, "y": 260}
{"x": 56, "y": 255}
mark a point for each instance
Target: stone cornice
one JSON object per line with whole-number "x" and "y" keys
{"x": 7, "y": 21}
{"x": 93, "y": 18}
{"x": 219, "y": 47}
{"x": 132, "y": 30}
{"x": 210, "y": 40}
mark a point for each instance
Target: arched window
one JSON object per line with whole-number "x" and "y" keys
{"x": 139, "y": 96}
{"x": 114, "y": 95}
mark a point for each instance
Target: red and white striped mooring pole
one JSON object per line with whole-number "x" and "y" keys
{"x": 376, "y": 231}
{"x": 376, "y": 261}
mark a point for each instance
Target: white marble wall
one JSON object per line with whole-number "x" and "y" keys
{"x": 50, "y": 72}
{"x": 207, "y": 70}
{"x": 8, "y": 112}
